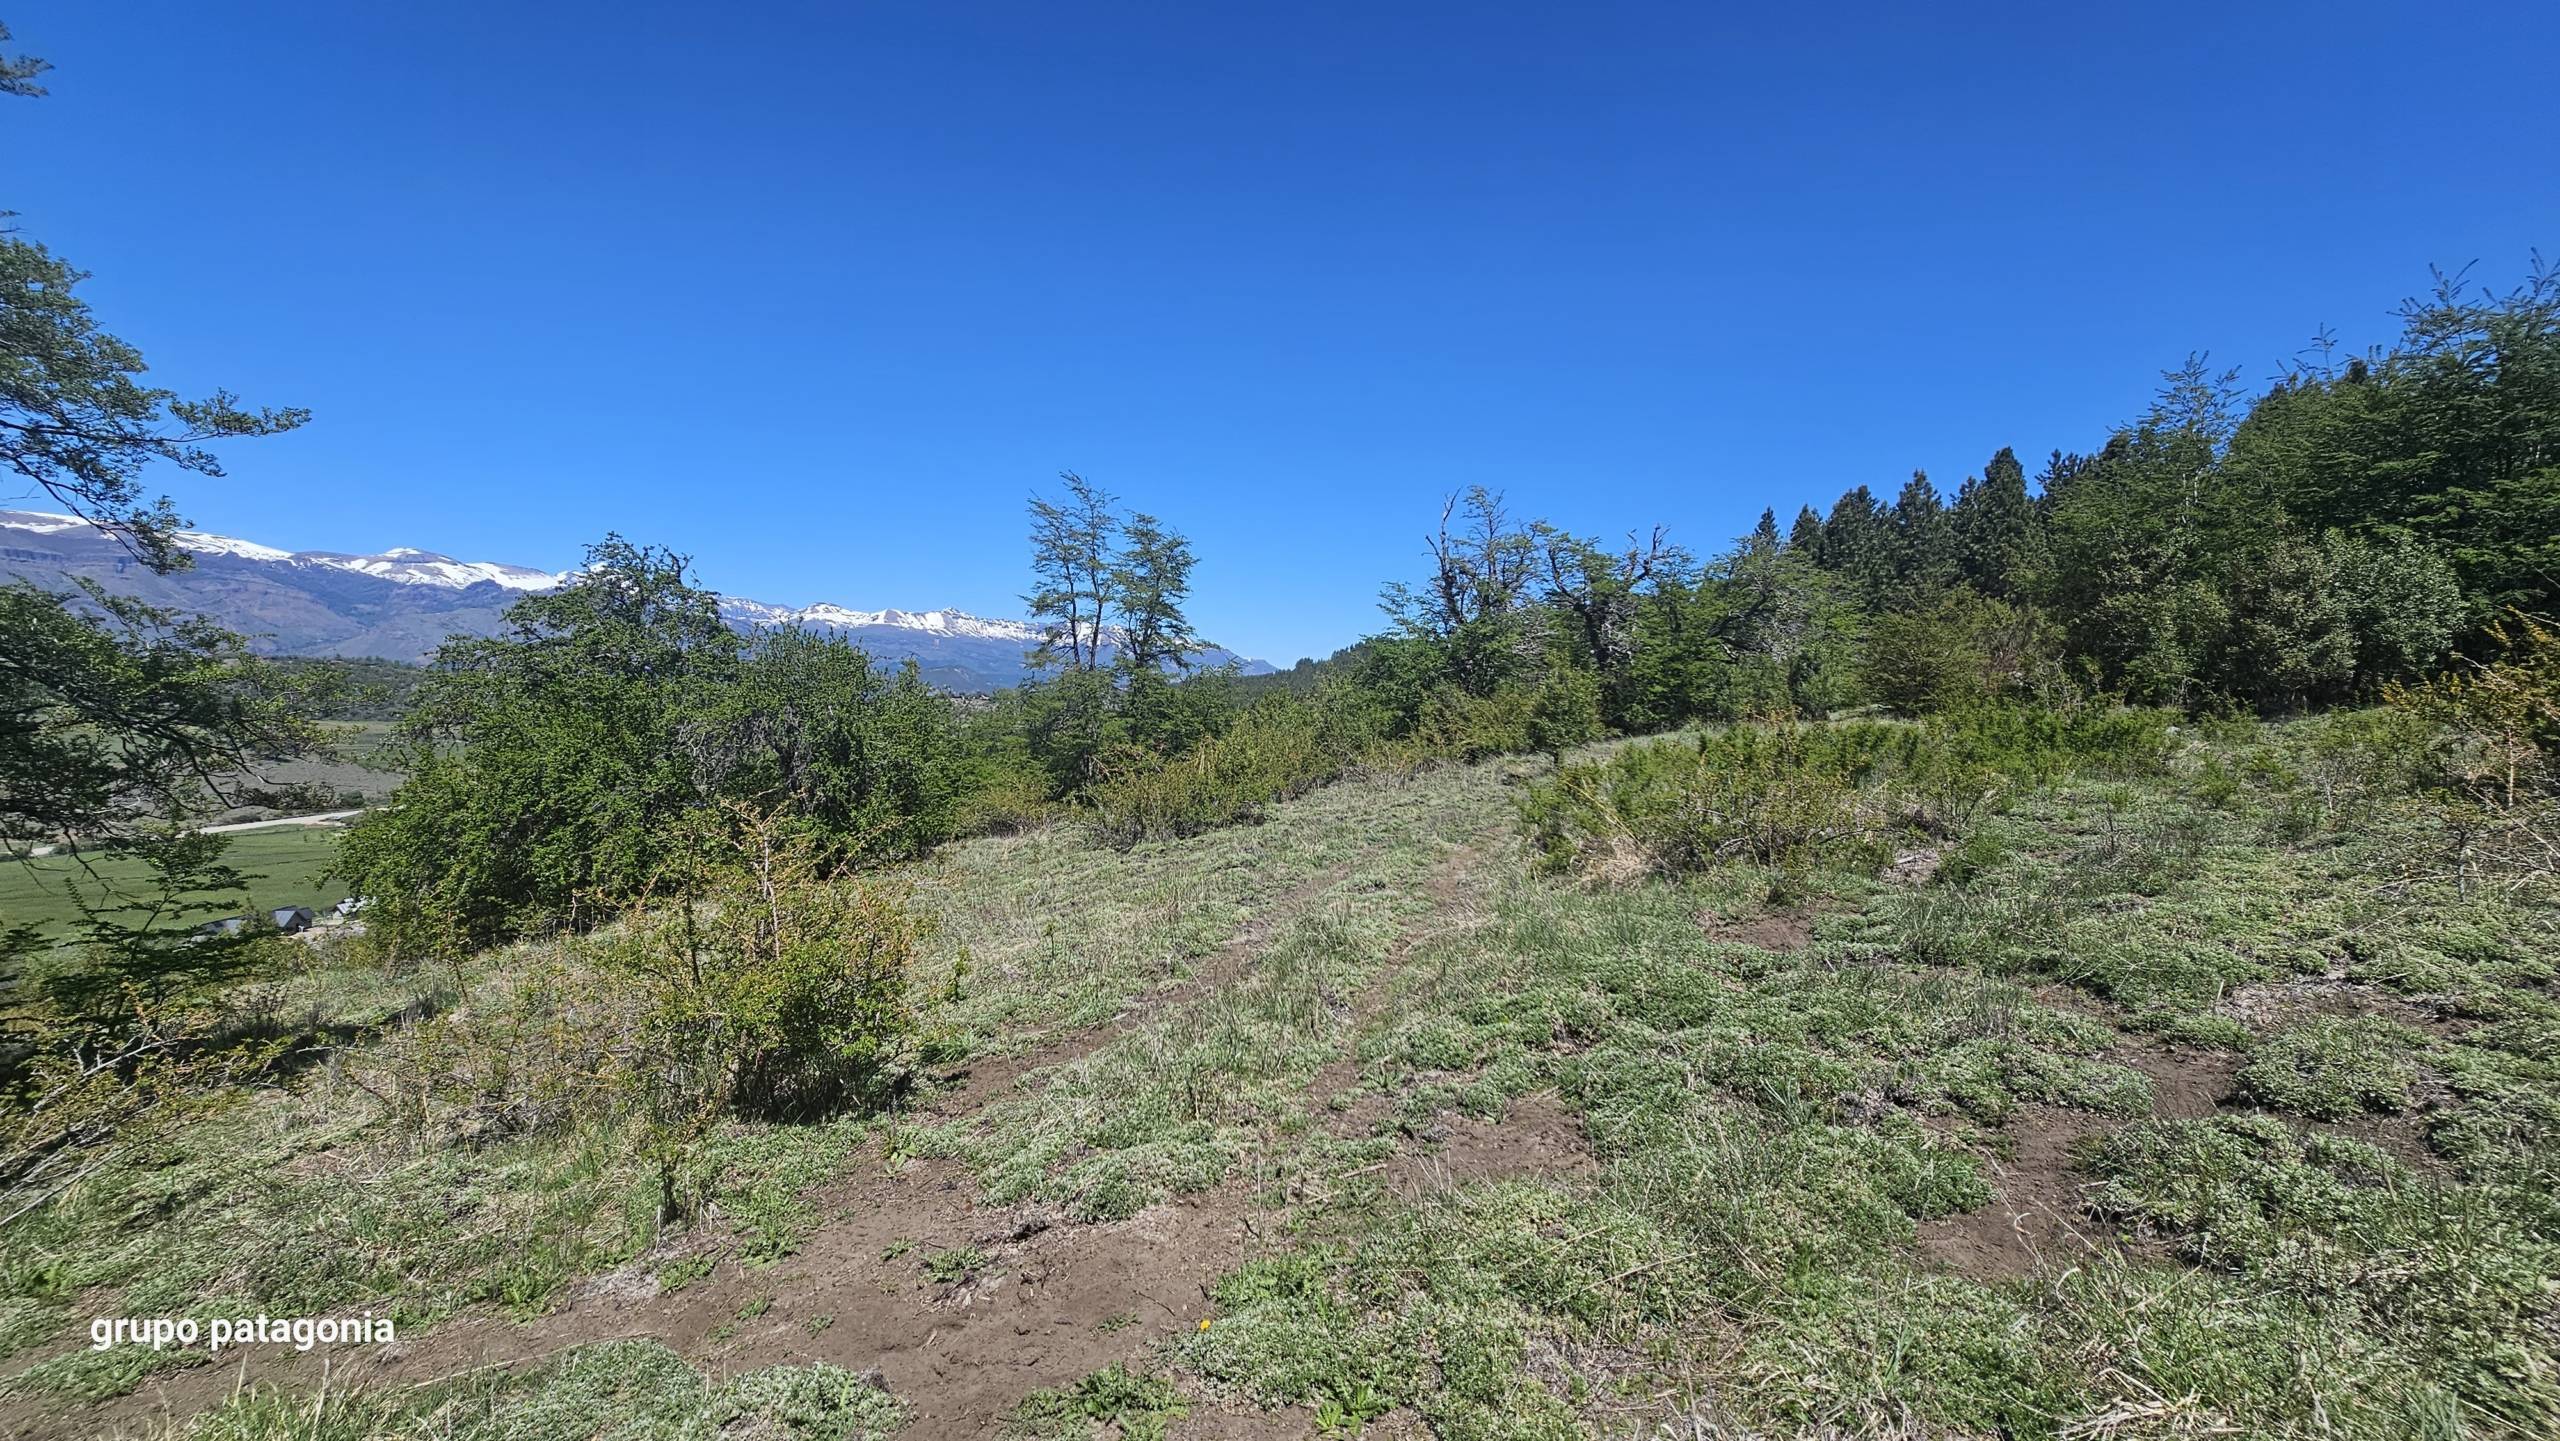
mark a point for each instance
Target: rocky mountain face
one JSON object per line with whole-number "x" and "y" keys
{"x": 400, "y": 604}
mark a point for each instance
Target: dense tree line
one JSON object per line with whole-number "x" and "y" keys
{"x": 2349, "y": 528}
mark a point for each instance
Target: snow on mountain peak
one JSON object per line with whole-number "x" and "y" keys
{"x": 940, "y": 622}
{"x": 942, "y": 631}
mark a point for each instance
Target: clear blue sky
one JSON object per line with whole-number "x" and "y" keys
{"x": 817, "y": 292}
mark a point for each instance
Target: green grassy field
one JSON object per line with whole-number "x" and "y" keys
{"x": 284, "y": 865}
{"x": 2190, "y": 1104}
{"x": 355, "y": 765}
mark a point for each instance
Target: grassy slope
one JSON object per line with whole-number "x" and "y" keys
{"x": 2273, "y": 1112}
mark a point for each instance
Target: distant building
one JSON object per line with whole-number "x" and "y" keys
{"x": 225, "y": 926}
{"x": 290, "y": 919}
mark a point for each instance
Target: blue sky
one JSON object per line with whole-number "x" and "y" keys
{"x": 818, "y": 292}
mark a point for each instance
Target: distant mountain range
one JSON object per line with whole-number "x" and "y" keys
{"x": 402, "y": 603}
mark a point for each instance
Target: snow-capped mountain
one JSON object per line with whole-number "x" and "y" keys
{"x": 402, "y": 603}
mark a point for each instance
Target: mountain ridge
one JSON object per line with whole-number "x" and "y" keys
{"x": 399, "y": 604}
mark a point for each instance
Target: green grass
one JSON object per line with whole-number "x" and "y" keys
{"x": 357, "y": 763}
{"x": 1773, "y": 1128}
{"x": 304, "y": 1199}
{"x": 1111, "y": 1402}
{"x": 614, "y": 1391}
{"x": 284, "y": 865}
{"x": 2364, "y": 1246}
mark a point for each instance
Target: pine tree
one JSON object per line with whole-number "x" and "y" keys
{"x": 1994, "y": 526}
{"x": 1764, "y": 536}
{"x": 1805, "y": 538}
{"x": 1924, "y": 547}
{"x": 1857, "y": 545}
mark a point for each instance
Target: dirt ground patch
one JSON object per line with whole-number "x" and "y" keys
{"x": 1536, "y": 1136}
{"x": 2186, "y": 1084}
{"x": 1050, "y": 1302}
{"x": 2037, "y": 1215}
{"x": 1778, "y": 931}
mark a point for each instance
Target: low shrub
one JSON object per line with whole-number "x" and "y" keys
{"x": 1775, "y": 795}
{"x": 760, "y": 984}
{"x": 1275, "y": 751}
{"x": 1789, "y": 795}
{"x": 1459, "y": 726}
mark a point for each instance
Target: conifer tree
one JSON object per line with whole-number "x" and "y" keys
{"x": 1994, "y": 526}
{"x": 1805, "y": 538}
{"x": 1764, "y": 536}
{"x": 1857, "y": 545}
{"x": 1924, "y": 549}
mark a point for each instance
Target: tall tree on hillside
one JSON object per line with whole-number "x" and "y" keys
{"x": 78, "y": 423}
{"x": 1857, "y": 545}
{"x": 118, "y": 720}
{"x": 550, "y": 764}
{"x": 1924, "y": 544}
{"x": 1764, "y": 536}
{"x": 1071, "y": 548}
{"x": 1805, "y": 536}
{"x": 2448, "y": 437}
{"x": 1601, "y": 589}
{"x": 2055, "y": 481}
{"x": 1149, "y": 582}
{"x": 1471, "y": 608}
{"x": 115, "y": 710}
{"x": 1993, "y": 523}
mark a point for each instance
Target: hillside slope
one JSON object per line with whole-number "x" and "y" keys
{"x": 2130, "y": 1113}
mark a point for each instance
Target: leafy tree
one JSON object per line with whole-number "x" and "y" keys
{"x": 1150, "y": 579}
{"x": 2403, "y": 604}
{"x": 1071, "y": 549}
{"x": 116, "y": 716}
{"x": 548, "y": 765}
{"x": 1600, "y": 591}
{"x": 1070, "y": 724}
{"x": 812, "y": 733}
{"x": 76, "y": 422}
{"x": 1473, "y": 608}
{"x": 1963, "y": 650}
{"x": 2446, "y": 438}
{"x": 1565, "y": 712}
{"x": 2287, "y": 639}
{"x": 1757, "y": 633}
{"x": 118, "y": 721}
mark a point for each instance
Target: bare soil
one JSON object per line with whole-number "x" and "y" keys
{"x": 2038, "y": 1213}
{"x": 1778, "y": 931}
